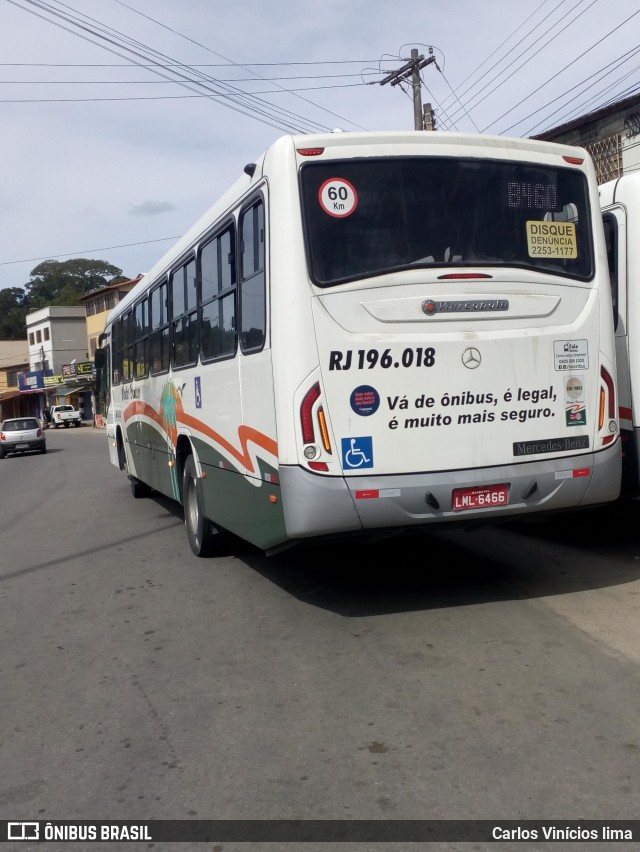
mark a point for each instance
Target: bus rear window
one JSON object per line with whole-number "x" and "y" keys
{"x": 371, "y": 216}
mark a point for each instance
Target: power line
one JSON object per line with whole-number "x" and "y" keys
{"x": 115, "y": 41}
{"x": 172, "y": 82}
{"x": 475, "y": 103}
{"x": 467, "y": 113}
{"x": 484, "y": 61}
{"x": 205, "y": 47}
{"x": 110, "y": 50}
{"x": 557, "y": 74}
{"x": 586, "y": 84}
{"x": 180, "y": 64}
{"x": 154, "y": 97}
{"x": 467, "y": 93}
{"x": 85, "y": 251}
{"x": 619, "y": 94}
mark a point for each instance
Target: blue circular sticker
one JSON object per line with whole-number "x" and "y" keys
{"x": 365, "y": 400}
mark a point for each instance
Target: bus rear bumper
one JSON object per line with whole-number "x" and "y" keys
{"x": 319, "y": 505}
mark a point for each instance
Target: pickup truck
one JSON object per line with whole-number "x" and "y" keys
{"x": 65, "y": 415}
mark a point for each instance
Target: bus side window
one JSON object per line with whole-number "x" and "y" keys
{"x": 218, "y": 296}
{"x": 252, "y": 279}
{"x": 184, "y": 315}
{"x": 141, "y": 339}
{"x": 127, "y": 347}
{"x": 611, "y": 242}
{"x": 116, "y": 345}
{"x": 159, "y": 336}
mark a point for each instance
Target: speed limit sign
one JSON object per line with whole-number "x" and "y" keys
{"x": 338, "y": 197}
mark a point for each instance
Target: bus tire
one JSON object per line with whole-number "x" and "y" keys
{"x": 199, "y": 529}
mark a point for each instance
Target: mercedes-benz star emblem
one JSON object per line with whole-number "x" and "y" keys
{"x": 471, "y": 358}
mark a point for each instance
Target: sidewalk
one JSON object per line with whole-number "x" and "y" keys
{"x": 86, "y": 426}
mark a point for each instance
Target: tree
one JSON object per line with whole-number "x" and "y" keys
{"x": 13, "y": 312}
{"x": 63, "y": 283}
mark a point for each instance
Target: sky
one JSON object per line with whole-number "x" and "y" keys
{"x": 122, "y": 121}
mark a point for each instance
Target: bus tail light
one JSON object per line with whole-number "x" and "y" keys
{"x": 464, "y": 275}
{"x": 309, "y": 428}
{"x": 607, "y": 407}
{"x": 306, "y": 414}
{"x": 326, "y": 443}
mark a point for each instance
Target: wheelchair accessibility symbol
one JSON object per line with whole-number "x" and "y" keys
{"x": 357, "y": 452}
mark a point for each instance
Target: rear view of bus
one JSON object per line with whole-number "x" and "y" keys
{"x": 461, "y": 322}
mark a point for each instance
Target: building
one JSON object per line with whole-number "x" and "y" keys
{"x": 98, "y": 304}
{"x": 14, "y": 359}
{"x": 61, "y": 346}
{"x": 611, "y": 135}
{"x": 57, "y": 336}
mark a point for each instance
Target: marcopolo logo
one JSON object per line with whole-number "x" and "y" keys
{"x": 431, "y": 307}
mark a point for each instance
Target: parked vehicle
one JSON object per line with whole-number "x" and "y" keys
{"x": 65, "y": 415}
{"x": 370, "y": 333}
{"x": 21, "y": 435}
{"x": 620, "y": 204}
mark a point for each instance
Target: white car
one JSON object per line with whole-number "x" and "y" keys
{"x": 20, "y": 435}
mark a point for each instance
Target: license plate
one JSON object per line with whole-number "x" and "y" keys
{"x": 480, "y": 498}
{"x": 22, "y": 446}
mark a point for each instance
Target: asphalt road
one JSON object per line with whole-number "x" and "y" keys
{"x": 487, "y": 675}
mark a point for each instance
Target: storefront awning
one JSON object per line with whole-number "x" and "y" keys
{"x": 69, "y": 391}
{"x": 5, "y": 396}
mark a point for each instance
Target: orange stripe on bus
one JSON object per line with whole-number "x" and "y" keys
{"x": 246, "y": 434}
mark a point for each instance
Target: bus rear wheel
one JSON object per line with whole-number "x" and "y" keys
{"x": 199, "y": 530}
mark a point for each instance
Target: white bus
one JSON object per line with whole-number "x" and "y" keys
{"x": 620, "y": 202}
{"x": 370, "y": 333}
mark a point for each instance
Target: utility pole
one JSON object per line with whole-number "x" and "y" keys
{"x": 429, "y": 118}
{"x": 411, "y": 69}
